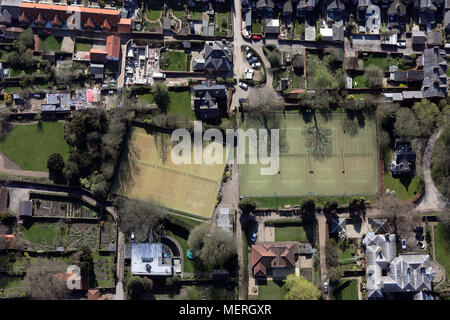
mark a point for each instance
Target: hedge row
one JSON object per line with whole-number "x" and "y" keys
{"x": 284, "y": 222}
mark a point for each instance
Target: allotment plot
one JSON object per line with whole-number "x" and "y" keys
{"x": 148, "y": 173}
{"x": 348, "y": 166}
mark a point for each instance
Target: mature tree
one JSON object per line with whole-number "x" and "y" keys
{"x": 319, "y": 101}
{"x": 42, "y": 283}
{"x": 308, "y": 205}
{"x": 247, "y": 206}
{"x": 55, "y": 163}
{"x": 335, "y": 274}
{"x": 212, "y": 245}
{"x": 161, "y": 95}
{"x": 440, "y": 164}
{"x": 331, "y": 253}
{"x": 142, "y": 218}
{"x": 427, "y": 114}
{"x": 444, "y": 119}
{"x": 393, "y": 207}
{"x": 86, "y": 264}
{"x": 136, "y": 286}
{"x": 406, "y": 125}
{"x": 357, "y": 203}
{"x": 298, "y": 288}
{"x": 331, "y": 205}
{"x": 274, "y": 58}
{"x": 374, "y": 76}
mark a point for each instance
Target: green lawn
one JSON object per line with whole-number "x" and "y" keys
{"x": 180, "y": 102}
{"x": 174, "y": 61}
{"x": 16, "y": 72}
{"x": 271, "y": 291}
{"x": 30, "y": 145}
{"x": 442, "y": 247}
{"x": 178, "y": 11}
{"x": 83, "y": 45}
{"x": 196, "y": 13}
{"x": 406, "y": 187}
{"x": 13, "y": 89}
{"x": 381, "y": 62}
{"x": 153, "y": 15}
{"x": 256, "y": 27}
{"x": 302, "y": 232}
{"x": 50, "y": 43}
{"x": 38, "y": 233}
{"x": 360, "y": 82}
{"x": 347, "y": 290}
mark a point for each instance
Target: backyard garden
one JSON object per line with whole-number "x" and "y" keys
{"x": 442, "y": 246}
{"x": 172, "y": 60}
{"x": 346, "y": 290}
{"x": 324, "y": 69}
{"x": 293, "y": 230}
{"x": 50, "y": 43}
{"x": 179, "y": 102}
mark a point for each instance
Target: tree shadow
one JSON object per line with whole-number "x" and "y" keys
{"x": 307, "y": 115}
{"x": 128, "y": 165}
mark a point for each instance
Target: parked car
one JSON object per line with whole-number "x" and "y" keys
{"x": 247, "y": 49}
{"x": 256, "y": 65}
{"x": 421, "y": 245}
{"x": 419, "y": 237}
{"x": 418, "y": 229}
{"x": 403, "y": 244}
{"x": 253, "y": 60}
{"x": 325, "y": 287}
{"x": 132, "y": 237}
{"x": 46, "y": 31}
{"x": 401, "y": 44}
{"x": 243, "y": 85}
{"x": 249, "y": 55}
{"x": 256, "y": 37}
{"x": 254, "y": 235}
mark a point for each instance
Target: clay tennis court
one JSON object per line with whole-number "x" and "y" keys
{"x": 350, "y": 169}
{"x": 147, "y": 173}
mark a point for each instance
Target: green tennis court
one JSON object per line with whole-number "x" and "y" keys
{"x": 349, "y": 168}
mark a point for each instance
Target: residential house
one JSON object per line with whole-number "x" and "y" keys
{"x": 388, "y": 276}
{"x": 434, "y": 38}
{"x": 405, "y": 158}
{"x": 5, "y": 17}
{"x": 427, "y": 10}
{"x": 336, "y": 9}
{"x": 414, "y": 75}
{"x": 378, "y": 226}
{"x": 338, "y": 33}
{"x": 418, "y": 37}
{"x": 305, "y": 7}
{"x": 272, "y": 27}
{"x": 434, "y": 84}
{"x": 337, "y": 226}
{"x": 276, "y": 259}
{"x": 218, "y": 56}
{"x": 264, "y": 8}
{"x": 206, "y": 97}
{"x": 447, "y": 21}
{"x": 12, "y": 10}
{"x": 198, "y": 64}
{"x": 396, "y": 14}
{"x": 150, "y": 259}
{"x": 112, "y": 48}
{"x": 416, "y": 95}
{"x": 398, "y": 76}
{"x": 287, "y": 12}
{"x": 167, "y": 26}
{"x": 63, "y": 16}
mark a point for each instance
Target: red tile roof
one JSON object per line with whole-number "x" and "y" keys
{"x": 23, "y": 18}
{"x": 269, "y": 255}
{"x": 113, "y": 47}
{"x": 93, "y": 294}
{"x": 40, "y": 19}
{"x": 89, "y": 23}
{"x": 105, "y": 25}
{"x": 56, "y": 21}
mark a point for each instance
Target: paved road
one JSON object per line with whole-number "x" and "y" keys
{"x": 322, "y": 243}
{"x": 433, "y": 199}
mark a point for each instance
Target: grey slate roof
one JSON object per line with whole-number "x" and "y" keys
{"x": 205, "y": 98}
{"x": 337, "y": 224}
{"x": 218, "y": 56}
{"x": 447, "y": 20}
{"x": 338, "y": 33}
{"x": 434, "y": 38}
{"x": 405, "y": 273}
{"x": 5, "y": 17}
{"x": 26, "y": 208}
{"x": 412, "y": 94}
{"x": 336, "y": 5}
{"x": 287, "y": 8}
{"x": 397, "y": 8}
{"x": 198, "y": 64}
{"x": 415, "y": 75}
{"x": 400, "y": 76}
{"x": 418, "y": 37}
{"x": 435, "y": 79}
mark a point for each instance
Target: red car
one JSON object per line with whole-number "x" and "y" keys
{"x": 46, "y": 31}
{"x": 256, "y": 37}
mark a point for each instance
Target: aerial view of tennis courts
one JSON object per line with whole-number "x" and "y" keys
{"x": 148, "y": 173}
{"x": 348, "y": 168}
